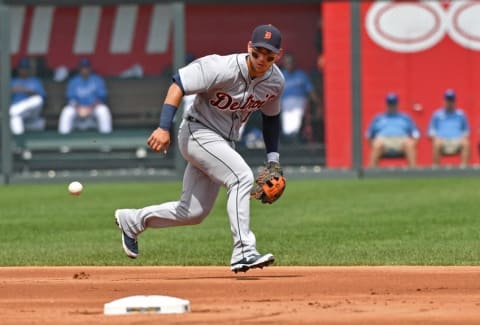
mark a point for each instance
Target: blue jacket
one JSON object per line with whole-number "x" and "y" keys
{"x": 87, "y": 91}
{"x": 297, "y": 84}
{"x": 392, "y": 125}
{"x": 32, "y": 83}
{"x": 448, "y": 125}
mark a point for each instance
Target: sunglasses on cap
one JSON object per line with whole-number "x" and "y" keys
{"x": 268, "y": 58}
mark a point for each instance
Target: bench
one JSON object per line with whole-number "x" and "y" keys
{"x": 48, "y": 150}
{"x": 134, "y": 103}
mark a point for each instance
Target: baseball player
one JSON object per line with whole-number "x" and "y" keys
{"x": 86, "y": 94}
{"x": 28, "y": 96}
{"x": 228, "y": 89}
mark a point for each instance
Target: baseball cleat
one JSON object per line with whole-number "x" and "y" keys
{"x": 130, "y": 245}
{"x": 253, "y": 262}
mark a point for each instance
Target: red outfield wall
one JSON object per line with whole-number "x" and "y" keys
{"x": 442, "y": 51}
{"x": 337, "y": 83}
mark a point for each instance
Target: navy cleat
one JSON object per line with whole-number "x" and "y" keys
{"x": 130, "y": 245}
{"x": 256, "y": 261}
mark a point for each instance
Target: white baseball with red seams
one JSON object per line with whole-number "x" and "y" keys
{"x": 75, "y": 188}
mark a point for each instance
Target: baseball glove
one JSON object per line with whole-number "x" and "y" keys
{"x": 270, "y": 183}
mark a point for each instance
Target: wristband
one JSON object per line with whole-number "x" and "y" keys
{"x": 166, "y": 116}
{"x": 273, "y": 157}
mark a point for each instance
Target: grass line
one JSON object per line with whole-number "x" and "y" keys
{"x": 316, "y": 222}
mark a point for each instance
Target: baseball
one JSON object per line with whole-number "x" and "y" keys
{"x": 75, "y": 188}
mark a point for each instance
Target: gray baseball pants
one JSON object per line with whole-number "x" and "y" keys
{"x": 211, "y": 162}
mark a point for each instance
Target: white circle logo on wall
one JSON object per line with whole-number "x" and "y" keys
{"x": 464, "y": 23}
{"x": 406, "y": 26}
{"x": 417, "y": 26}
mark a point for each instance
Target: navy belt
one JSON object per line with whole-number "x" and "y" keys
{"x": 192, "y": 119}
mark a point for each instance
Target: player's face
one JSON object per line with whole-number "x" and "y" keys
{"x": 85, "y": 72}
{"x": 23, "y": 72}
{"x": 261, "y": 59}
{"x": 449, "y": 104}
{"x": 391, "y": 107}
{"x": 261, "y": 53}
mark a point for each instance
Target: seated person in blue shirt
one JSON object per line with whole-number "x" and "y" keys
{"x": 27, "y": 99}
{"x": 86, "y": 95}
{"x": 393, "y": 132}
{"x": 449, "y": 131}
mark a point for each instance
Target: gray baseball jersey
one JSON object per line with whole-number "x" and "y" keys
{"x": 225, "y": 98}
{"x": 226, "y": 95}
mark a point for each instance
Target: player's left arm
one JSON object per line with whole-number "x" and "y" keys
{"x": 271, "y": 136}
{"x": 412, "y": 129}
{"x": 270, "y": 182}
{"x": 101, "y": 89}
{"x": 40, "y": 90}
{"x": 271, "y": 125}
{"x": 465, "y": 126}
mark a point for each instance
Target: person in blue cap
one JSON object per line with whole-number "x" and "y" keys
{"x": 27, "y": 100}
{"x": 86, "y": 95}
{"x": 449, "y": 131}
{"x": 393, "y": 132}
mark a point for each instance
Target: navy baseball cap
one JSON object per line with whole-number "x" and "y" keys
{"x": 391, "y": 98}
{"x": 84, "y": 63}
{"x": 449, "y": 94}
{"x": 267, "y": 36}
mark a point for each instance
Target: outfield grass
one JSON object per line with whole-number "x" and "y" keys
{"x": 318, "y": 222}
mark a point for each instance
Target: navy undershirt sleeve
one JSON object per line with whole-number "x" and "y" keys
{"x": 271, "y": 132}
{"x": 176, "y": 79}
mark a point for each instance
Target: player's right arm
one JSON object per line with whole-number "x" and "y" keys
{"x": 159, "y": 140}
{"x": 372, "y": 130}
{"x": 191, "y": 79}
{"x": 433, "y": 125}
{"x": 70, "y": 93}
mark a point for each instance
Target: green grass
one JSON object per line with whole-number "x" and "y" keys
{"x": 317, "y": 222}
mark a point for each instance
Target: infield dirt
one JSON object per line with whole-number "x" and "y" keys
{"x": 274, "y": 295}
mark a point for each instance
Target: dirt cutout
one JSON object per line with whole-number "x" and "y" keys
{"x": 274, "y": 295}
